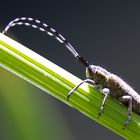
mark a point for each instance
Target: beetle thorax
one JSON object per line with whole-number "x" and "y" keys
{"x": 98, "y": 74}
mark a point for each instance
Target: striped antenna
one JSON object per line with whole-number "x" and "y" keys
{"x": 43, "y": 27}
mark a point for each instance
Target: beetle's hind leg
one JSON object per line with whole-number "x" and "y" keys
{"x": 127, "y": 98}
{"x": 75, "y": 88}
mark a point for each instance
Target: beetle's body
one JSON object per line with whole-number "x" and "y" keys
{"x": 115, "y": 84}
{"x": 109, "y": 83}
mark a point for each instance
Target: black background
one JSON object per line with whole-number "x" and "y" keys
{"x": 106, "y": 33}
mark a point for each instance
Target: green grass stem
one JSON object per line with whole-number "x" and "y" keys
{"x": 58, "y": 82}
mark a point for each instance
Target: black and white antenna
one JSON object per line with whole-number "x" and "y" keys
{"x": 43, "y": 27}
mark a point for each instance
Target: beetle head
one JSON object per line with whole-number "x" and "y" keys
{"x": 90, "y": 70}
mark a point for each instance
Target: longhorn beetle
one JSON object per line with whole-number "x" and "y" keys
{"x": 106, "y": 82}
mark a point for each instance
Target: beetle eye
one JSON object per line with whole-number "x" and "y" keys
{"x": 90, "y": 71}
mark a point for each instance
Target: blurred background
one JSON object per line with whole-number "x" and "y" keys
{"x": 106, "y": 33}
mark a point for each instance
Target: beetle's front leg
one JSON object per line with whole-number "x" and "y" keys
{"x": 75, "y": 88}
{"x": 105, "y": 91}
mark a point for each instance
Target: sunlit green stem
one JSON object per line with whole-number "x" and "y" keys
{"x": 58, "y": 82}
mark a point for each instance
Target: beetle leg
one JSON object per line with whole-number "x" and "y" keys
{"x": 127, "y": 98}
{"x": 75, "y": 88}
{"x": 106, "y": 92}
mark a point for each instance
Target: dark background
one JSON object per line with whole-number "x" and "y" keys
{"x": 106, "y": 33}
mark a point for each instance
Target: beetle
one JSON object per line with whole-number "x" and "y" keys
{"x": 106, "y": 82}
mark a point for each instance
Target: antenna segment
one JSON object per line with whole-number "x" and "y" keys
{"x": 43, "y": 27}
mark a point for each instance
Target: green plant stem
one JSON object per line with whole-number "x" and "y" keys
{"x": 58, "y": 82}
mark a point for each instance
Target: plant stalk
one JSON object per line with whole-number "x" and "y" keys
{"x": 58, "y": 82}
